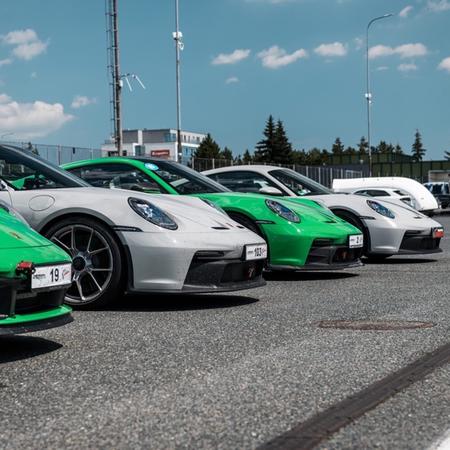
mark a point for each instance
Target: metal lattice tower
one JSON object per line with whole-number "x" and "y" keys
{"x": 115, "y": 80}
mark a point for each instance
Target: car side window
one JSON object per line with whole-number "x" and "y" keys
{"x": 117, "y": 176}
{"x": 24, "y": 178}
{"x": 378, "y": 193}
{"x": 243, "y": 181}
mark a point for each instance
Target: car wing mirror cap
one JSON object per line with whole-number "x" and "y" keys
{"x": 269, "y": 190}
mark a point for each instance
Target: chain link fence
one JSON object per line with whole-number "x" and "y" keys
{"x": 58, "y": 154}
{"x": 322, "y": 174}
{"x": 62, "y": 154}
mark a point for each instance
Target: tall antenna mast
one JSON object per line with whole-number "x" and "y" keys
{"x": 114, "y": 71}
{"x": 178, "y": 38}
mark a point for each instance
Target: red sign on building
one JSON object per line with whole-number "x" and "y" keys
{"x": 160, "y": 153}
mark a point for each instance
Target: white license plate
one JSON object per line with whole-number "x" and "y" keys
{"x": 356, "y": 241}
{"x": 255, "y": 251}
{"x": 50, "y": 276}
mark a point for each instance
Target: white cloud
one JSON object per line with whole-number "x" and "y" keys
{"x": 382, "y": 68}
{"x": 405, "y": 11}
{"x": 404, "y": 51}
{"x": 19, "y": 37}
{"x": 276, "y": 57}
{"x": 31, "y": 120}
{"x": 445, "y": 64}
{"x": 334, "y": 49}
{"x": 26, "y": 43}
{"x": 232, "y": 80}
{"x": 4, "y": 98}
{"x": 407, "y": 67}
{"x": 359, "y": 43}
{"x": 5, "y": 62}
{"x": 438, "y": 5}
{"x": 79, "y": 101}
{"x": 231, "y": 58}
{"x": 33, "y": 75}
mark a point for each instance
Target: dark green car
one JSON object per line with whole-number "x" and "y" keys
{"x": 301, "y": 234}
{"x": 34, "y": 276}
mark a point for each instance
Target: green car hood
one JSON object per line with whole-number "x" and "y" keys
{"x": 306, "y": 209}
{"x": 19, "y": 243}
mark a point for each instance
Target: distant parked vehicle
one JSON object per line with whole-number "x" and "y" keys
{"x": 385, "y": 194}
{"x": 424, "y": 201}
{"x": 441, "y": 190}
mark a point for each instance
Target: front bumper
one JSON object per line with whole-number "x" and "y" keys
{"x": 326, "y": 257}
{"x": 417, "y": 242}
{"x": 23, "y": 312}
{"x": 190, "y": 262}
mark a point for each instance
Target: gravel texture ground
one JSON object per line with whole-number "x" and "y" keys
{"x": 234, "y": 371}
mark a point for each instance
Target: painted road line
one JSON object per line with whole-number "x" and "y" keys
{"x": 320, "y": 427}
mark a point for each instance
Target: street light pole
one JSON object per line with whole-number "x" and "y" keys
{"x": 178, "y": 38}
{"x": 368, "y": 93}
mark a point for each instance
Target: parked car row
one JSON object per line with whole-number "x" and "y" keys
{"x": 117, "y": 232}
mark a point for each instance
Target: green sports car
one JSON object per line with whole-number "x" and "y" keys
{"x": 301, "y": 235}
{"x": 34, "y": 276}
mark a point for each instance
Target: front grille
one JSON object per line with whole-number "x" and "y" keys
{"x": 417, "y": 241}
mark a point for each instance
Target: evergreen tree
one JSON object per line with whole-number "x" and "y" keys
{"x": 208, "y": 148}
{"x": 247, "y": 158}
{"x": 383, "y": 147}
{"x": 417, "y": 148}
{"x": 238, "y": 160}
{"x": 282, "y": 151}
{"x": 265, "y": 148}
{"x": 363, "y": 146}
{"x": 227, "y": 154}
{"x": 398, "y": 150}
{"x": 350, "y": 151}
{"x": 338, "y": 147}
{"x": 314, "y": 156}
{"x": 299, "y": 157}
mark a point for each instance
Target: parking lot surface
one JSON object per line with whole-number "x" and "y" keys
{"x": 238, "y": 370}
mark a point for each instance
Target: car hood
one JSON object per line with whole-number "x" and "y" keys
{"x": 190, "y": 213}
{"x": 14, "y": 234}
{"x": 358, "y": 203}
{"x": 306, "y": 208}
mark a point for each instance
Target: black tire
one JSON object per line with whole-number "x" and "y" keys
{"x": 356, "y": 222}
{"x": 97, "y": 261}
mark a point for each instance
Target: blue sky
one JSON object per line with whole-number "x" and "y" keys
{"x": 301, "y": 60}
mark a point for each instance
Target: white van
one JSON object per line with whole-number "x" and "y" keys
{"x": 421, "y": 197}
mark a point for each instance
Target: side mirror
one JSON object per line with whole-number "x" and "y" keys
{"x": 269, "y": 190}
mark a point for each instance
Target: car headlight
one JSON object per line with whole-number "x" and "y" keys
{"x": 152, "y": 213}
{"x": 213, "y": 205}
{"x": 282, "y": 211}
{"x": 381, "y": 209}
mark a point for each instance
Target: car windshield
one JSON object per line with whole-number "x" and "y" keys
{"x": 299, "y": 184}
{"x": 23, "y": 170}
{"x": 183, "y": 179}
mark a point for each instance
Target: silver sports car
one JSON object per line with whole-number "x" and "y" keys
{"x": 121, "y": 240}
{"x": 389, "y": 229}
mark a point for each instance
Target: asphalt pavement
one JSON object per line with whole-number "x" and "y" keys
{"x": 235, "y": 371}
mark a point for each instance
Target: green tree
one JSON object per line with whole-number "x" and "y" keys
{"x": 398, "y": 150}
{"x": 247, "y": 158}
{"x": 282, "y": 151}
{"x": 265, "y": 147}
{"x": 350, "y": 151}
{"x": 418, "y": 151}
{"x": 227, "y": 154}
{"x": 363, "y": 147}
{"x": 208, "y": 148}
{"x": 338, "y": 147}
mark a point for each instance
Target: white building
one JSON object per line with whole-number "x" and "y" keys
{"x": 161, "y": 143}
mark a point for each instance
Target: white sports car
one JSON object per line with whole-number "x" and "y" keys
{"x": 389, "y": 229}
{"x": 121, "y": 240}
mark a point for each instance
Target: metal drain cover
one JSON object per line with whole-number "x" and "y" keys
{"x": 382, "y": 325}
